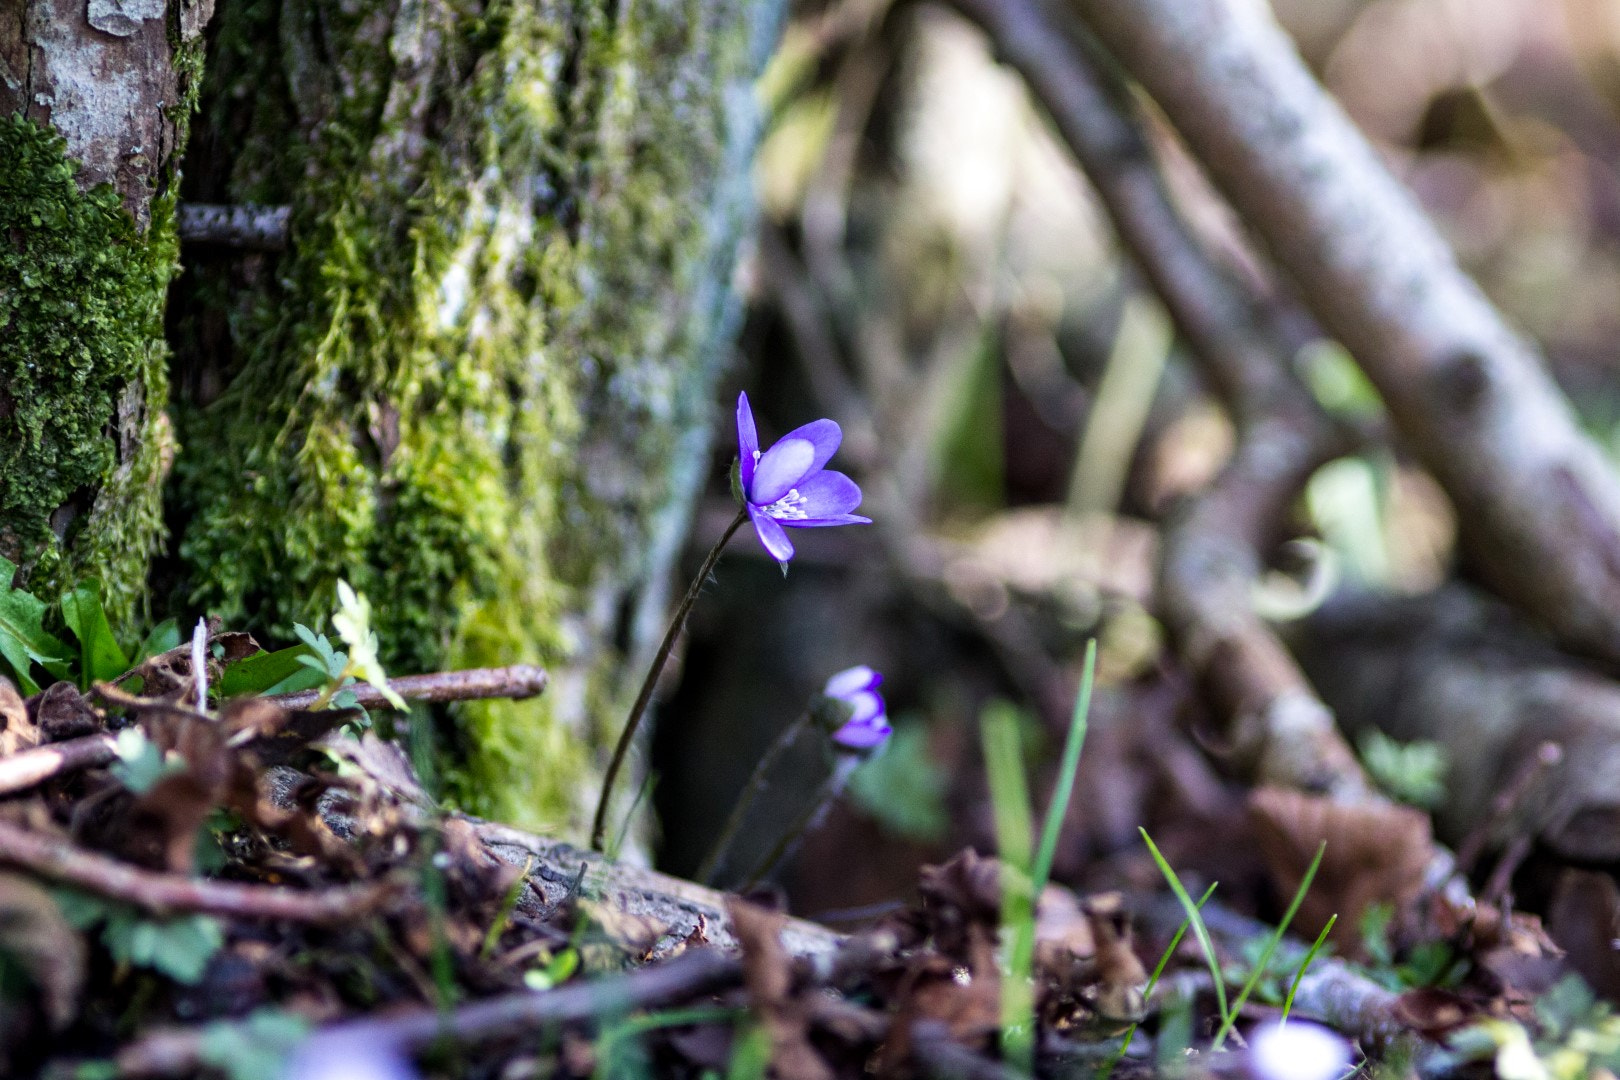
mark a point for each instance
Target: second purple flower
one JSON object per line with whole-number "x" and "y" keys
{"x": 790, "y": 485}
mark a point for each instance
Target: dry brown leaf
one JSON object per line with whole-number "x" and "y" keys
{"x": 17, "y": 731}
{"x": 63, "y": 713}
{"x": 768, "y": 977}
{"x": 1584, "y": 919}
{"x": 34, "y": 933}
{"x": 1376, "y": 852}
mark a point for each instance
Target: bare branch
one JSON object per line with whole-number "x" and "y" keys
{"x": 518, "y": 681}
{"x": 23, "y": 770}
{"x": 1537, "y": 503}
{"x": 1213, "y": 552}
{"x": 698, "y": 972}
{"x": 57, "y": 859}
{"x": 249, "y": 228}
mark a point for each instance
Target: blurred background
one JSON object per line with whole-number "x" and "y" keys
{"x": 932, "y": 271}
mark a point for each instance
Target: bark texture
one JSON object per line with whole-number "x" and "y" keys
{"x": 94, "y": 101}
{"x": 478, "y": 382}
{"x": 1537, "y": 502}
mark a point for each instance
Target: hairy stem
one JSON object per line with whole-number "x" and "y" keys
{"x": 644, "y": 698}
{"x": 756, "y": 786}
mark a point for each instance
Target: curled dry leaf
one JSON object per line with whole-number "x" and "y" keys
{"x": 17, "y": 731}
{"x": 63, "y": 713}
{"x": 1376, "y": 852}
{"x": 34, "y": 933}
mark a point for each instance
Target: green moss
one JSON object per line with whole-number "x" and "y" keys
{"x": 81, "y": 325}
{"x": 477, "y": 384}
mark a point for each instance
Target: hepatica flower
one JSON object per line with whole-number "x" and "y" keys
{"x": 790, "y": 485}
{"x": 868, "y": 725}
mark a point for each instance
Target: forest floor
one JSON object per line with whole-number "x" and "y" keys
{"x": 260, "y": 887}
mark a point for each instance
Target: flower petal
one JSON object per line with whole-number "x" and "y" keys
{"x": 867, "y": 705}
{"x": 857, "y": 736}
{"x": 771, "y": 535}
{"x": 747, "y": 441}
{"x": 828, "y": 494}
{"x": 780, "y": 468}
{"x": 822, "y": 523}
{"x": 852, "y": 681}
{"x": 824, "y": 435}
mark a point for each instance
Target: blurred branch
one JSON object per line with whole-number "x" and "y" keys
{"x": 1538, "y": 504}
{"x": 1213, "y": 551}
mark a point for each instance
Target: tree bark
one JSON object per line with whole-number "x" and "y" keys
{"x": 478, "y": 382}
{"x": 94, "y": 102}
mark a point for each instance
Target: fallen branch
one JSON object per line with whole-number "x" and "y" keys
{"x": 1536, "y": 500}
{"x": 23, "y": 770}
{"x": 1213, "y": 552}
{"x": 163, "y": 894}
{"x": 518, "y": 681}
{"x": 521, "y": 1015}
{"x": 680, "y": 905}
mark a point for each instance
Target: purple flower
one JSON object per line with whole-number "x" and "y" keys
{"x": 868, "y": 724}
{"x": 788, "y": 484}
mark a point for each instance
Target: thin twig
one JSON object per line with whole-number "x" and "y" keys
{"x": 23, "y": 770}
{"x": 245, "y": 227}
{"x": 473, "y": 684}
{"x": 644, "y": 698}
{"x": 693, "y": 974}
{"x": 57, "y": 859}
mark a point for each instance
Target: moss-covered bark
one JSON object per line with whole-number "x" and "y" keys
{"x": 477, "y": 384}
{"x": 93, "y": 107}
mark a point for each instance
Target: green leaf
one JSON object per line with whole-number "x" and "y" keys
{"x": 100, "y": 657}
{"x": 23, "y": 639}
{"x": 179, "y": 947}
{"x": 265, "y": 671}
{"x": 164, "y": 636}
{"x": 353, "y": 624}
{"x": 903, "y": 789}
{"x": 140, "y": 763}
{"x": 256, "y": 1049}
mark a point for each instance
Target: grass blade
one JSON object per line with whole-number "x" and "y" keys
{"x": 1200, "y": 931}
{"x": 1153, "y": 981}
{"x": 1270, "y": 949}
{"x": 1061, "y": 794}
{"x": 1304, "y": 966}
{"x": 1009, "y": 796}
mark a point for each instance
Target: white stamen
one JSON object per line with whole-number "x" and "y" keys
{"x": 789, "y": 507}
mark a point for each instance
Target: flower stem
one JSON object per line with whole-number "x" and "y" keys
{"x": 754, "y": 789}
{"x": 807, "y": 822}
{"x": 626, "y": 737}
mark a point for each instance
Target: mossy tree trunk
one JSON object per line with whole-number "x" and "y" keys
{"x": 478, "y": 382}
{"x": 94, "y": 100}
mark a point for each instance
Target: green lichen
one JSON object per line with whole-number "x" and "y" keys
{"x": 81, "y": 356}
{"x": 477, "y": 384}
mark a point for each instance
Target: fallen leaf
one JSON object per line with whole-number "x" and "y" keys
{"x": 1376, "y": 852}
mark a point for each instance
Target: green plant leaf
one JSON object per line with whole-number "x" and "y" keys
{"x": 903, "y": 789}
{"x": 100, "y": 657}
{"x": 23, "y": 640}
{"x": 256, "y": 1049}
{"x": 164, "y": 636}
{"x": 179, "y": 947}
{"x": 264, "y": 672}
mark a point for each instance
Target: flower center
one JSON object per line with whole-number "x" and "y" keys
{"x": 789, "y": 507}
